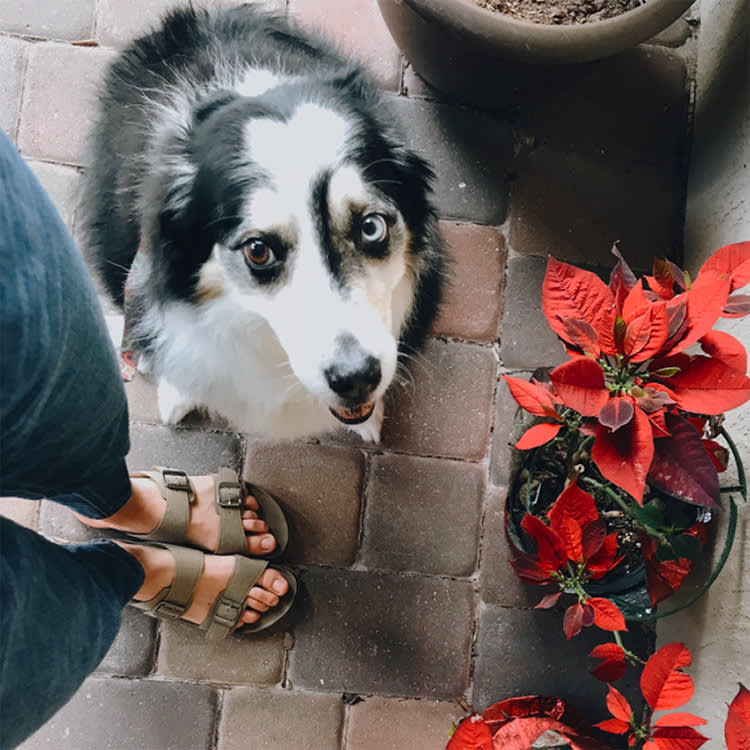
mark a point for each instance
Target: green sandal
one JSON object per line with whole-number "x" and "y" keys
{"x": 173, "y": 601}
{"x": 176, "y": 489}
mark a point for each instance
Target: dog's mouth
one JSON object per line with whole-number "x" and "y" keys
{"x": 354, "y": 414}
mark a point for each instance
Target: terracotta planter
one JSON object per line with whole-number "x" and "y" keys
{"x": 473, "y": 53}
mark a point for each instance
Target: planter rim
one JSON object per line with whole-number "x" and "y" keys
{"x": 529, "y": 42}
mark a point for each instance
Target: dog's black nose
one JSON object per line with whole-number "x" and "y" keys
{"x": 355, "y": 374}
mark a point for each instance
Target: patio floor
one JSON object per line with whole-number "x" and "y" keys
{"x": 407, "y": 601}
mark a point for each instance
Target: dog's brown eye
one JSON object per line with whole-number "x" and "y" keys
{"x": 258, "y": 254}
{"x": 374, "y": 228}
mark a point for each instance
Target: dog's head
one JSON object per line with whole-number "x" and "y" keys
{"x": 304, "y": 208}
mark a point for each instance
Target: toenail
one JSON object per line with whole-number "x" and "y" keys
{"x": 278, "y": 586}
{"x": 267, "y": 542}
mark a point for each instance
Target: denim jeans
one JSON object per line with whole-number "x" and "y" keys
{"x": 63, "y": 436}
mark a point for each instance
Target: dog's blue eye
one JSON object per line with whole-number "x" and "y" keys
{"x": 374, "y": 228}
{"x": 258, "y": 254}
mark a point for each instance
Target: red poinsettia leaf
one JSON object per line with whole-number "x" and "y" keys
{"x": 588, "y": 615}
{"x": 662, "y": 282}
{"x": 647, "y": 333}
{"x": 717, "y": 454}
{"x": 593, "y": 538}
{"x": 617, "y": 412}
{"x": 705, "y": 302}
{"x": 737, "y": 727}
{"x": 677, "y": 738}
{"x": 658, "y": 420}
{"x": 681, "y": 466}
{"x": 664, "y": 577}
{"x": 612, "y": 666}
{"x": 523, "y": 733}
{"x": 571, "y": 533}
{"x": 652, "y": 397}
{"x": 676, "y": 318}
{"x": 537, "y": 435}
{"x": 529, "y": 569}
{"x": 618, "y": 705}
{"x": 569, "y": 292}
{"x": 663, "y": 683}
{"x": 549, "y": 601}
{"x": 472, "y": 734}
{"x": 679, "y": 720}
{"x": 531, "y": 396}
{"x": 613, "y": 726}
{"x": 733, "y": 260}
{"x": 624, "y": 457}
{"x": 582, "y": 336}
{"x": 527, "y": 705}
{"x": 622, "y": 279}
{"x": 573, "y": 502}
{"x": 573, "y": 620}
{"x": 579, "y": 384}
{"x": 607, "y": 616}
{"x": 706, "y": 385}
{"x": 725, "y": 347}
{"x": 604, "y": 560}
{"x": 550, "y": 549}
{"x": 737, "y": 306}
{"x": 635, "y": 304}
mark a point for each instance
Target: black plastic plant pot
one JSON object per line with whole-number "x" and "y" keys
{"x": 627, "y": 586}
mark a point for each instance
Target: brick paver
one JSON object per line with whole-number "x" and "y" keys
{"x": 395, "y": 724}
{"x": 269, "y": 720}
{"x": 471, "y": 153}
{"x": 147, "y": 714}
{"x": 48, "y": 19}
{"x": 473, "y": 297}
{"x": 384, "y": 634}
{"x": 359, "y": 30}
{"x": 319, "y": 488}
{"x": 12, "y": 63}
{"x": 57, "y": 107}
{"x": 406, "y": 598}
{"x": 442, "y": 409}
{"x": 184, "y": 654}
{"x": 440, "y": 502}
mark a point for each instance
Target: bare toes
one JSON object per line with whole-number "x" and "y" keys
{"x": 254, "y": 525}
{"x": 251, "y": 503}
{"x": 272, "y": 580}
{"x": 249, "y": 616}
{"x": 261, "y": 544}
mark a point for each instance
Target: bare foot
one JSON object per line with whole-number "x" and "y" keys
{"x": 159, "y": 567}
{"x": 144, "y": 510}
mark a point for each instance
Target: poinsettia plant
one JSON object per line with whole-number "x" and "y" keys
{"x": 535, "y": 722}
{"x": 627, "y": 426}
{"x": 630, "y": 382}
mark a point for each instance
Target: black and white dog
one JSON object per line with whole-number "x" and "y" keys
{"x": 286, "y": 243}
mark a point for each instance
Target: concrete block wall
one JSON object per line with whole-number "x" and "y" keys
{"x": 717, "y": 628}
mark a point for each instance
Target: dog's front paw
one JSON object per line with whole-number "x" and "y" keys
{"x": 173, "y": 405}
{"x": 370, "y": 430}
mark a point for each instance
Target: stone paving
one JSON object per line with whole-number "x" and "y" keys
{"x": 407, "y": 602}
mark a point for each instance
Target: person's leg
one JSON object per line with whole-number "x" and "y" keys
{"x": 60, "y": 611}
{"x": 63, "y": 410}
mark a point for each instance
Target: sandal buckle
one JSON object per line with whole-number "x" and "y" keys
{"x": 165, "y": 608}
{"x": 229, "y": 495}
{"x": 174, "y": 479}
{"x": 227, "y": 612}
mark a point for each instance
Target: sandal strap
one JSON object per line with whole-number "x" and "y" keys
{"x": 230, "y": 502}
{"x": 230, "y": 603}
{"x": 173, "y": 601}
{"x": 176, "y": 489}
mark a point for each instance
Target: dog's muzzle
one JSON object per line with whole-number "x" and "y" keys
{"x": 353, "y": 377}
